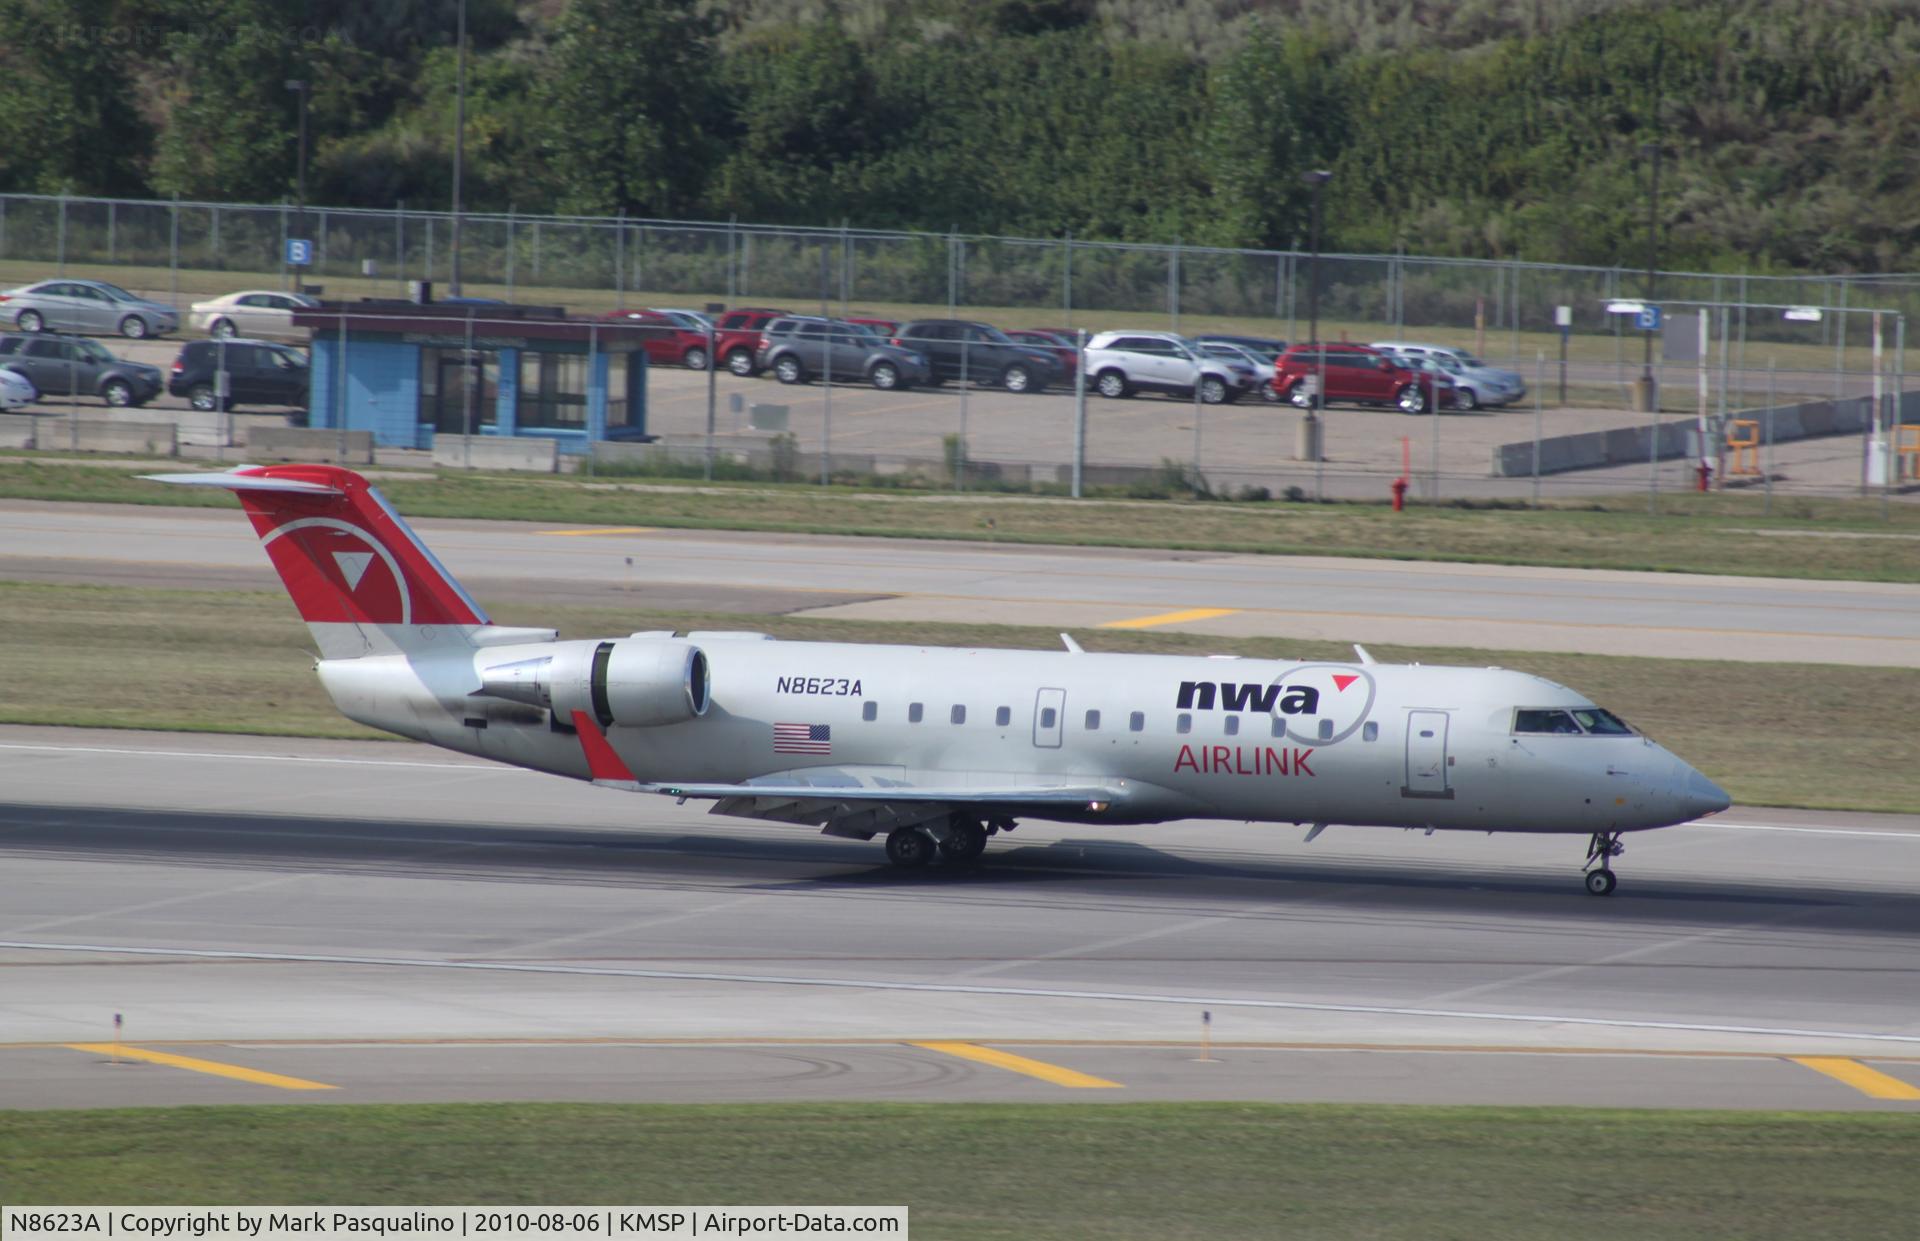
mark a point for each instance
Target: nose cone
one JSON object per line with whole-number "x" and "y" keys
{"x": 1700, "y": 796}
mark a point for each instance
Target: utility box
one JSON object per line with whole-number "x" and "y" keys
{"x": 1308, "y": 438}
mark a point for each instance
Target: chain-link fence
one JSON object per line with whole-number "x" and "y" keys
{"x": 1507, "y": 313}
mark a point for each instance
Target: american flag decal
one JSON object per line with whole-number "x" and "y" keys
{"x": 802, "y": 739}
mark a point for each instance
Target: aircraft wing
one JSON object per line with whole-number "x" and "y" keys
{"x": 864, "y": 811}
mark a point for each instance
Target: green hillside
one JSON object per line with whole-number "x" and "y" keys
{"x": 1482, "y": 128}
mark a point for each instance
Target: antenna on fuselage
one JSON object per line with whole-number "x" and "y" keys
{"x": 1073, "y": 648}
{"x": 1361, "y": 651}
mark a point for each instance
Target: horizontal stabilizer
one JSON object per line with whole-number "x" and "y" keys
{"x": 246, "y": 482}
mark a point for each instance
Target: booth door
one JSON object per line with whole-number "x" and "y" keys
{"x": 478, "y": 374}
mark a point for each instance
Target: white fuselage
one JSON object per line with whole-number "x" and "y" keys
{"x": 1174, "y": 736}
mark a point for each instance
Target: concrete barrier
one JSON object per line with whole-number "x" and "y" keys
{"x": 497, "y": 452}
{"x": 1680, "y": 436}
{"x": 17, "y": 432}
{"x": 321, "y": 447}
{"x": 156, "y": 439}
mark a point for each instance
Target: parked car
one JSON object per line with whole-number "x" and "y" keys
{"x": 737, "y": 340}
{"x": 692, "y": 320}
{"x": 258, "y": 373}
{"x": 251, "y": 313}
{"x": 70, "y": 365}
{"x": 978, "y": 353}
{"x": 92, "y": 306}
{"x": 15, "y": 391}
{"x": 1475, "y": 382}
{"x": 803, "y": 347}
{"x": 1123, "y": 363}
{"x": 1063, "y": 349}
{"x": 1262, "y": 364}
{"x": 1260, "y": 346}
{"x": 667, "y": 343}
{"x": 1357, "y": 374}
{"x": 885, "y": 327}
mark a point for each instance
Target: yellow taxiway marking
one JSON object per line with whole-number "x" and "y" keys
{"x": 1870, "y": 1082}
{"x": 1169, "y": 618}
{"x": 576, "y": 534}
{"x": 192, "y": 1065}
{"x": 1020, "y": 1064}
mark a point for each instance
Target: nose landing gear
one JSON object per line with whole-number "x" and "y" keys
{"x": 1603, "y": 847}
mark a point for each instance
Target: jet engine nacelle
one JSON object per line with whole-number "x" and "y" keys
{"x": 638, "y": 683}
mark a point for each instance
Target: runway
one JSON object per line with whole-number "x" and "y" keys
{"x": 382, "y": 922}
{"x": 1483, "y": 606}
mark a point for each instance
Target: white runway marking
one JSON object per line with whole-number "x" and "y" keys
{"x": 862, "y": 984}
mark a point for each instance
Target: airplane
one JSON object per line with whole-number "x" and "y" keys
{"x": 940, "y": 748}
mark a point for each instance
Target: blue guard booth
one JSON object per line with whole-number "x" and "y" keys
{"x": 413, "y": 369}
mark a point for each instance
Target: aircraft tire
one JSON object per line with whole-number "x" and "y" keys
{"x": 966, "y": 841}
{"x": 909, "y": 848}
{"x": 1600, "y": 882}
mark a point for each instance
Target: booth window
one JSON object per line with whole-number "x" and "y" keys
{"x": 553, "y": 390}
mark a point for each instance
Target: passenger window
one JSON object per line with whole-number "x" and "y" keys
{"x": 1183, "y": 723}
{"x": 914, "y": 712}
{"x": 1233, "y": 726}
{"x": 1369, "y": 731}
{"x": 1093, "y": 721}
{"x": 1048, "y": 717}
{"x": 869, "y": 711}
{"x": 1544, "y": 721}
{"x": 1003, "y": 716}
{"x": 958, "y": 714}
{"x": 1137, "y": 722}
{"x": 1326, "y": 730}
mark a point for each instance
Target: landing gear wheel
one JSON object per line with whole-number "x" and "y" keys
{"x": 1602, "y": 848}
{"x": 965, "y": 842}
{"x": 909, "y": 848}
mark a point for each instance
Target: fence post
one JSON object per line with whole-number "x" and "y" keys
{"x": 953, "y": 246}
{"x": 426, "y": 222}
{"x": 1173, "y": 285}
{"x": 1840, "y": 346}
{"x": 214, "y": 216}
{"x": 510, "y": 249}
{"x": 620, "y": 259}
{"x": 1079, "y": 415}
{"x": 536, "y": 266}
{"x": 733, "y": 259}
{"x": 320, "y": 243}
{"x": 173, "y": 250}
{"x": 113, "y": 222}
{"x": 62, "y": 262}
{"x": 846, "y": 266}
{"x": 3, "y": 224}
{"x": 1539, "y": 382}
{"x": 1066, "y": 306}
{"x": 400, "y": 244}
{"x": 283, "y": 241}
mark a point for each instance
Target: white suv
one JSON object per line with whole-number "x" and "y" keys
{"x": 1474, "y": 382}
{"x": 1122, "y": 363}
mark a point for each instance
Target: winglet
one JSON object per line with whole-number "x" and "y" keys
{"x": 603, "y": 763}
{"x": 1315, "y": 830}
{"x": 1073, "y": 648}
{"x": 1361, "y": 651}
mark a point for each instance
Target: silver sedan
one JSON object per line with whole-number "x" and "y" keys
{"x": 252, "y": 312}
{"x": 91, "y": 306}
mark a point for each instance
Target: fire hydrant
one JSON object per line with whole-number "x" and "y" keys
{"x": 1705, "y": 472}
{"x": 1399, "y": 486}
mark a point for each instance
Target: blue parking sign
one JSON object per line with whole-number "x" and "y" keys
{"x": 299, "y": 252}
{"x": 1648, "y": 320}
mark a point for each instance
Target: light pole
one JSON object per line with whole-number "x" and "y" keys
{"x": 459, "y": 145}
{"x": 1649, "y": 390}
{"x": 1317, "y": 181}
{"x": 299, "y": 87}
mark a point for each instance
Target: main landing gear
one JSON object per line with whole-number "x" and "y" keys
{"x": 1603, "y": 847}
{"x": 959, "y": 839}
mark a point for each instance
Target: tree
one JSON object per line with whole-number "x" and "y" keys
{"x": 68, "y": 119}
{"x": 626, "y": 106}
{"x": 1274, "y": 114}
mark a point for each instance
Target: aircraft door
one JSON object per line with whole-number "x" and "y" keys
{"x": 1426, "y": 755}
{"x": 1049, "y": 718}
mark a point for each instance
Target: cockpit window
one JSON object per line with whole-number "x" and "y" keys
{"x": 1602, "y": 723}
{"x": 1530, "y": 720}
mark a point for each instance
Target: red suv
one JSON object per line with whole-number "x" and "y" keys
{"x": 1357, "y": 375}
{"x": 667, "y": 343}
{"x": 736, "y": 338}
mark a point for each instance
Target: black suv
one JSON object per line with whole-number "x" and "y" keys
{"x": 60, "y": 365}
{"x": 979, "y": 352}
{"x": 258, "y": 373}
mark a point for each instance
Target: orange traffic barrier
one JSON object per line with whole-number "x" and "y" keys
{"x": 1743, "y": 437}
{"x": 1909, "y": 450}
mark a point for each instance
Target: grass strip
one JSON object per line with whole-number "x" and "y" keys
{"x": 1717, "y": 533}
{"x": 1814, "y": 735}
{"x": 983, "y": 1172}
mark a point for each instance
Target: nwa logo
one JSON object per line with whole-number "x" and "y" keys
{"x": 1317, "y": 703}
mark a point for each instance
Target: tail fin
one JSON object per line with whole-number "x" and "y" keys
{"x": 361, "y": 579}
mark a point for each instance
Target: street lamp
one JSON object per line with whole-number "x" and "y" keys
{"x": 1317, "y": 181}
{"x": 1650, "y": 151}
{"x": 459, "y": 146}
{"x": 299, "y": 87}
